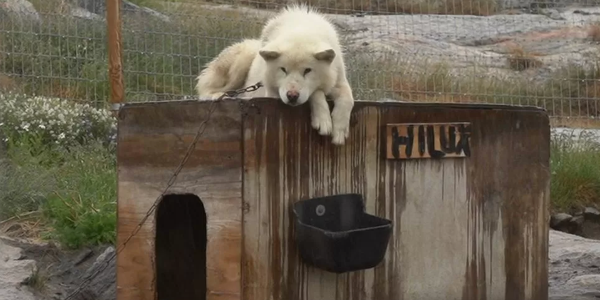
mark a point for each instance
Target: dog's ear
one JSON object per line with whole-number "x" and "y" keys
{"x": 325, "y": 55}
{"x": 269, "y": 54}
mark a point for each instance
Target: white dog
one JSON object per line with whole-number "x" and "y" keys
{"x": 298, "y": 58}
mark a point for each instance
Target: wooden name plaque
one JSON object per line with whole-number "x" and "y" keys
{"x": 428, "y": 140}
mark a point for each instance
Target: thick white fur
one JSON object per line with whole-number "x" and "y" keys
{"x": 295, "y": 40}
{"x": 227, "y": 71}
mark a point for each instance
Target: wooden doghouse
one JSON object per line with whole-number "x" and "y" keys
{"x": 470, "y": 219}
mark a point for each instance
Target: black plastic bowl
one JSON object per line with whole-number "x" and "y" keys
{"x": 335, "y": 234}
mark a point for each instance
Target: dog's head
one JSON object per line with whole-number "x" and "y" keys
{"x": 298, "y": 71}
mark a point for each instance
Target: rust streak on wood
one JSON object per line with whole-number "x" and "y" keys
{"x": 469, "y": 228}
{"x": 147, "y": 158}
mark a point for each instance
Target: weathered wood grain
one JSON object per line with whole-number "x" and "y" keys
{"x": 153, "y": 139}
{"x": 472, "y": 228}
{"x": 463, "y": 229}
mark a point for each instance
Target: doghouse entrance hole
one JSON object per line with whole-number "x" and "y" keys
{"x": 180, "y": 248}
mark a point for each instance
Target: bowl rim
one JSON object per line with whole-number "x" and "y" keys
{"x": 354, "y": 195}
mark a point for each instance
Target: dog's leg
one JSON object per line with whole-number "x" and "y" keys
{"x": 343, "y": 103}
{"x": 321, "y": 118}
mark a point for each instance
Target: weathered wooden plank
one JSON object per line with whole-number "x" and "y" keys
{"x": 469, "y": 228}
{"x": 451, "y": 233}
{"x": 153, "y": 139}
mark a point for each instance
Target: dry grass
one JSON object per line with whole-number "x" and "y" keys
{"x": 449, "y": 7}
{"x": 29, "y": 225}
{"x": 389, "y": 77}
{"x": 38, "y": 279}
{"x": 593, "y": 32}
{"x": 519, "y": 59}
{"x": 7, "y": 83}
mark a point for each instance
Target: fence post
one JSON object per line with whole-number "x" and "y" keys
{"x": 115, "y": 63}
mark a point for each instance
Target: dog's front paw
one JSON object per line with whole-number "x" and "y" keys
{"x": 322, "y": 123}
{"x": 341, "y": 125}
{"x": 339, "y": 136}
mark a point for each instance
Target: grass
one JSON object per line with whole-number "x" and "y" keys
{"x": 446, "y": 7}
{"x": 38, "y": 279}
{"x": 519, "y": 59}
{"x": 575, "y": 167}
{"x": 75, "y": 190}
{"x": 67, "y": 57}
{"x": 571, "y": 91}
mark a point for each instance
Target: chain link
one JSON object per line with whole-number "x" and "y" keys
{"x": 191, "y": 147}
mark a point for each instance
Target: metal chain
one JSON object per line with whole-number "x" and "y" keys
{"x": 199, "y": 132}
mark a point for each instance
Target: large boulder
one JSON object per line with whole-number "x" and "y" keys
{"x": 574, "y": 270}
{"x": 21, "y": 9}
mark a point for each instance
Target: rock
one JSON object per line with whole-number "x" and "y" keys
{"x": 591, "y": 214}
{"x": 559, "y": 220}
{"x": 98, "y": 7}
{"x": 13, "y": 272}
{"x": 102, "y": 278}
{"x": 590, "y": 230}
{"x": 577, "y": 220}
{"x": 20, "y": 8}
{"x": 79, "y": 12}
{"x": 484, "y": 42}
{"x": 573, "y": 267}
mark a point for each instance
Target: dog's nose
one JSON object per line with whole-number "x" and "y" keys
{"x": 292, "y": 96}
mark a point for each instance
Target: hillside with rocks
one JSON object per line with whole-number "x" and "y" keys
{"x": 556, "y": 34}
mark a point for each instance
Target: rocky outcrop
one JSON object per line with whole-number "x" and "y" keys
{"x": 556, "y": 38}
{"x": 86, "y": 9}
{"x": 584, "y": 223}
{"x": 14, "y": 271}
{"x": 19, "y": 8}
{"x": 99, "y": 279}
{"x": 98, "y": 7}
{"x": 574, "y": 270}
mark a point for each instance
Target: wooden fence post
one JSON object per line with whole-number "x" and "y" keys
{"x": 115, "y": 63}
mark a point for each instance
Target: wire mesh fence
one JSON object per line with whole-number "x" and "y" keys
{"x": 478, "y": 51}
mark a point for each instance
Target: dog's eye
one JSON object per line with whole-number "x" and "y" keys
{"x": 284, "y": 70}
{"x": 306, "y": 71}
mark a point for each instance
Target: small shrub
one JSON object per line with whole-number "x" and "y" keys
{"x": 82, "y": 211}
{"x": 38, "y": 279}
{"x": 53, "y": 120}
{"x": 593, "y": 32}
{"x": 520, "y": 60}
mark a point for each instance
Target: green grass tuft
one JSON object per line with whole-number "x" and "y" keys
{"x": 575, "y": 167}
{"x": 83, "y": 209}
